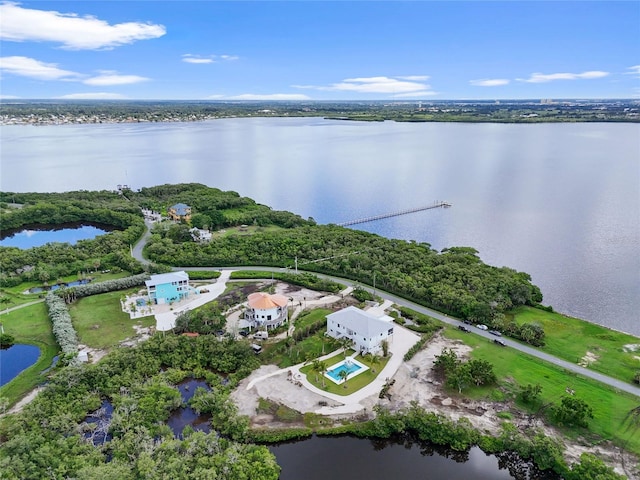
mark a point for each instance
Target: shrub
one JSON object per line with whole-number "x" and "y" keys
{"x": 62, "y": 327}
{"x": 6, "y": 340}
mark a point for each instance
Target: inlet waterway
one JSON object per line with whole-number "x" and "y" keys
{"x": 559, "y": 201}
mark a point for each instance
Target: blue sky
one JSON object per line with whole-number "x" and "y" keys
{"x": 330, "y": 50}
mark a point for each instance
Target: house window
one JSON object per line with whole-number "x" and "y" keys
{"x": 268, "y": 317}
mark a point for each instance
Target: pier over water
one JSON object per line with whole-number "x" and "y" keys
{"x": 436, "y": 204}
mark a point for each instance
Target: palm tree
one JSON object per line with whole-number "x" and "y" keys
{"x": 343, "y": 374}
{"x": 319, "y": 367}
{"x": 373, "y": 359}
{"x": 345, "y": 343}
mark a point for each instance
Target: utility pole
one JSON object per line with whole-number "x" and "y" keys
{"x": 296, "y": 264}
{"x": 374, "y": 284}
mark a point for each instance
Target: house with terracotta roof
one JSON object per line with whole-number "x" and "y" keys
{"x": 365, "y": 330}
{"x": 265, "y": 311}
{"x": 179, "y": 211}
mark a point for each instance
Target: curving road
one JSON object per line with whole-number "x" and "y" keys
{"x": 585, "y": 372}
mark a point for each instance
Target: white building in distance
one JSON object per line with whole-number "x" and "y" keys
{"x": 366, "y": 331}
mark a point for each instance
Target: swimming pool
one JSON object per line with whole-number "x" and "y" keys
{"x": 351, "y": 366}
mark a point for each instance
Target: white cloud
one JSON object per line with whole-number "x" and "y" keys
{"x": 542, "y": 78}
{"x": 93, "y": 96}
{"x": 32, "y": 68}
{"x": 489, "y": 82}
{"x": 8, "y": 97}
{"x": 190, "y": 58}
{"x": 418, "y": 94}
{"x": 635, "y": 70}
{"x": 113, "y": 78}
{"x": 388, "y": 85}
{"x": 74, "y": 32}
{"x": 416, "y": 78}
{"x": 271, "y": 96}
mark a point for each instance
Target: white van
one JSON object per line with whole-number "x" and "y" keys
{"x": 256, "y": 348}
{"x": 261, "y": 335}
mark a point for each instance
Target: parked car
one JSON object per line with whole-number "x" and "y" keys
{"x": 467, "y": 321}
{"x": 244, "y": 333}
{"x": 256, "y": 348}
{"x": 482, "y": 327}
{"x": 495, "y": 332}
{"x": 499, "y": 342}
{"x": 261, "y": 335}
{"x": 463, "y": 328}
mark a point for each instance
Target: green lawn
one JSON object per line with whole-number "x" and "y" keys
{"x": 515, "y": 369}
{"x": 100, "y": 321}
{"x": 352, "y": 384}
{"x": 312, "y": 317}
{"x": 570, "y": 339}
{"x": 248, "y": 230}
{"x": 29, "y": 325}
{"x": 285, "y": 355}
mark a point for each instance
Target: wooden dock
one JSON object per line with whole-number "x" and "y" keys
{"x": 436, "y": 204}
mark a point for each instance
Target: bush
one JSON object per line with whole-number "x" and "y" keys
{"x": 62, "y": 327}
{"x": 6, "y": 340}
{"x": 71, "y": 294}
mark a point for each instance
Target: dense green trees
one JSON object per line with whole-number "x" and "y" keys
{"x": 47, "y": 440}
{"x": 455, "y": 281}
{"x": 460, "y": 374}
{"x": 54, "y": 260}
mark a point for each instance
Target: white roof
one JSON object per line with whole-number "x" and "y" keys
{"x": 360, "y": 321}
{"x": 167, "y": 278}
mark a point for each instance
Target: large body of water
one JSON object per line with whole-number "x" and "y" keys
{"x": 559, "y": 201}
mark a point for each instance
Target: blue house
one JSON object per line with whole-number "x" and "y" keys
{"x": 168, "y": 287}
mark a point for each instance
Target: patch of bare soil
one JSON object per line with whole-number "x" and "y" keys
{"x": 588, "y": 359}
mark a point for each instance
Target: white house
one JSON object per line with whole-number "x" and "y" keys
{"x": 366, "y": 331}
{"x": 200, "y": 235}
{"x": 264, "y": 310}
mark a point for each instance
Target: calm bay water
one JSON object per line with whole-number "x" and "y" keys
{"x": 559, "y": 201}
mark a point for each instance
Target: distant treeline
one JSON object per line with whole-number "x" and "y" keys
{"x": 512, "y": 111}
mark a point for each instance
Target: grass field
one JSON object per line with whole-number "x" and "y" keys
{"x": 352, "y": 384}
{"x": 100, "y": 321}
{"x": 513, "y": 369}
{"x": 310, "y": 318}
{"x": 14, "y": 296}
{"x": 570, "y": 339}
{"x": 29, "y": 325}
{"x": 246, "y": 230}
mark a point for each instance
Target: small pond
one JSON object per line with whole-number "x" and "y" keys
{"x": 15, "y": 359}
{"x": 100, "y": 420}
{"x": 38, "y": 235}
{"x": 184, "y": 416}
{"x": 348, "y": 458}
{"x": 59, "y": 285}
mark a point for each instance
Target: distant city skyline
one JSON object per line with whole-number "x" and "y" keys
{"x": 306, "y": 50}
